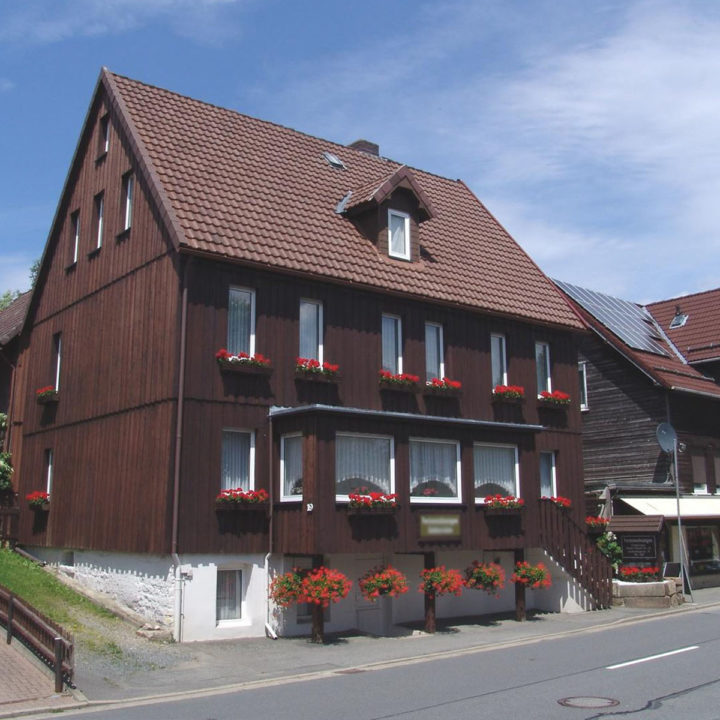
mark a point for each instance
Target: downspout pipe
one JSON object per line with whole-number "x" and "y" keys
{"x": 178, "y": 611}
{"x": 269, "y": 630}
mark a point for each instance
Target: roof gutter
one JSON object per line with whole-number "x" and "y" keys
{"x": 276, "y": 411}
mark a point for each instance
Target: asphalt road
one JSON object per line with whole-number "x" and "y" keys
{"x": 667, "y": 667}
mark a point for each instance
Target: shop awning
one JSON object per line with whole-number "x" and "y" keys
{"x": 690, "y": 507}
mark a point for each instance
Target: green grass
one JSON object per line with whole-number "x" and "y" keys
{"x": 45, "y": 593}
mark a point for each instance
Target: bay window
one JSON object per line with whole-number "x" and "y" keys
{"x": 434, "y": 470}
{"x": 496, "y": 470}
{"x": 291, "y": 469}
{"x": 363, "y": 464}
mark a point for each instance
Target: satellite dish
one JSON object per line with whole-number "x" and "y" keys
{"x": 666, "y": 436}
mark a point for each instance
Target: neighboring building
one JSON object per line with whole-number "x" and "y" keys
{"x": 184, "y": 228}
{"x": 692, "y": 323}
{"x": 635, "y": 378}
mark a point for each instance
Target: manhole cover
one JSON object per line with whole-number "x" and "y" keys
{"x": 588, "y": 702}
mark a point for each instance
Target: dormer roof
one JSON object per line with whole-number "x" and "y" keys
{"x": 378, "y": 190}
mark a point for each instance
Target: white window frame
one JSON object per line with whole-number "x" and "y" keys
{"x": 251, "y": 292}
{"x": 251, "y": 461}
{"x": 99, "y": 213}
{"x": 503, "y": 357}
{"x": 243, "y": 620}
{"x": 481, "y": 500}
{"x": 548, "y": 388}
{"x": 374, "y": 436}
{"x": 397, "y": 320}
{"x": 75, "y": 220}
{"x": 553, "y": 472}
{"x": 319, "y": 305}
{"x": 283, "y": 496}
{"x": 105, "y": 133}
{"x": 458, "y": 473}
{"x": 49, "y": 466}
{"x": 129, "y": 186}
{"x": 406, "y": 226}
{"x": 441, "y": 351}
{"x": 582, "y": 372}
{"x": 57, "y": 351}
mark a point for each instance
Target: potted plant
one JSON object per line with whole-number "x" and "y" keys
{"x": 38, "y": 500}
{"x": 243, "y": 362}
{"x": 373, "y": 502}
{"x": 381, "y": 582}
{"x": 285, "y": 588}
{"x": 402, "y": 381}
{"x": 562, "y": 502}
{"x": 554, "y": 399}
{"x": 596, "y": 524}
{"x": 443, "y": 386}
{"x": 508, "y": 393}
{"x": 311, "y": 369}
{"x": 632, "y": 573}
{"x": 438, "y": 581}
{"x": 534, "y": 576}
{"x": 489, "y": 577}
{"x": 237, "y": 498}
{"x": 47, "y": 394}
{"x": 609, "y": 546}
{"x": 503, "y": 503}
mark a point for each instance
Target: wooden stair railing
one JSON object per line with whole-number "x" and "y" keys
{"x": 569, "y": 546}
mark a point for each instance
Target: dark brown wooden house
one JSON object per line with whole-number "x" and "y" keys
{"x": 635, "y": 377}
{"x": 184, "y": 229}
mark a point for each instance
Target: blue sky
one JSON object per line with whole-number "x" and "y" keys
{"x": 589, "y": 129}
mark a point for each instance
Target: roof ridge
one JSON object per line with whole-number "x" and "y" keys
{"x": 680, "y": 297}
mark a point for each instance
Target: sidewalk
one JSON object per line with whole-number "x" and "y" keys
{"x": 205, "y": 666}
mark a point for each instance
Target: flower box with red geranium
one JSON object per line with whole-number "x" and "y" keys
{"x": 443, "y": 387}
{"x": 402, "y": 382}
{"x": 596, "y": 524}
{"x": 46, "y": 395}
{"x": 533, "y": 576}
{"x": 562, "y": 502}
{"x": 508, "y": 393}
{"x": 554, "y": 399}
{"x": 503, "y": 504}
{"x": 239, "y": 499}
{"x": 382, "y": 582}
{"x": 38, "y": 500}
{"x": 374, "y": 502}
{"x": 285, "y": 588}
{"x": 489, "y": 577}
{"x": 311, "y": 369}
{"x": 632, "y": 573}
{"x": 322, "y": 585}
{"x": 242, "y": 362}
{"x": 440, "y": 581}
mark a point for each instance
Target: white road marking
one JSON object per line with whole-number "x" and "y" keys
{"x": 651, "y": 657}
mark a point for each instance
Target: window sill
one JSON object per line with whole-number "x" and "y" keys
{"x": 436, "y": 501}
{"x": 122, "y": 236}
{"x": 221, "y": 624}
{"x": 101, "y": 157}
{"x": 94, "y": 253}
{"x": 71, "y": 267}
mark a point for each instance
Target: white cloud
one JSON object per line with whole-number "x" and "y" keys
{"x": 41, "y": 22}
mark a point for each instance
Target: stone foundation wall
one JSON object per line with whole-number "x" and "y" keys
{"x": 665, "y": 593}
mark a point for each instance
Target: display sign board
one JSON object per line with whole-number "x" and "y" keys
{"x": 439, "y": 527}
{"x": 638, "y": 547}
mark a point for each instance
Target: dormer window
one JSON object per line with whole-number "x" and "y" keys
{"x": 398, "y": 234}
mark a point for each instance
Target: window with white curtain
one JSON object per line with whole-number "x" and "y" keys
{"x": 363, "y": 464}
{"x": 434, "y": 470}
{"x": 238, "y": 460}
{"x": 398, "y": 234}
{"x": 241, "y": 321}
{"x": 311, "y": 338}
{"x": 391, "y": 344}
{"x": 229, "y": 598}
{"x": 542, "y": 365}
{"x": 291, "y": 467}
{"x": 434, "y": 364}
{"x": 128, "y": 188}
{"x": 548, "y": 483}
{"x": 99, "y": 213}
{"x": 498, "y": 360}
{"x": 496, "y": 470}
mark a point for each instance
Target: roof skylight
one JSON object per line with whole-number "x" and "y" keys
{"x": 680, "y": 318}
{"x": 334, "y": 160}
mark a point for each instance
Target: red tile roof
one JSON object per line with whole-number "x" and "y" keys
{"x": 13, "y": 317}
{"x": 260, "y": 193}
{"x": 669, "y": 370}
{"x": 699, "y": 338}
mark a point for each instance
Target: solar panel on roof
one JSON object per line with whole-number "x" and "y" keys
{"x": 630, "y": 322}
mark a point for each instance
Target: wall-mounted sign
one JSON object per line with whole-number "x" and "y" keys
{"x": 638, "y": 547}
{"x": 439, "y": 527}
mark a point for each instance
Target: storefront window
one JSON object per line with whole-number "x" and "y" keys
{"x": 703, "y": 549}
